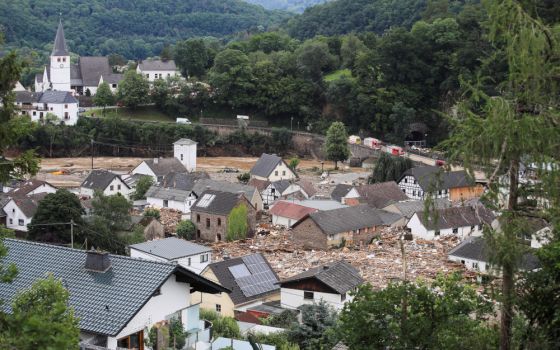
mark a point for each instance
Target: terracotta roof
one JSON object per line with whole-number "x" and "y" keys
{"x": 290, "y": 210}
{"x": 261, "y": 185}
{"x": 381, "y": 194}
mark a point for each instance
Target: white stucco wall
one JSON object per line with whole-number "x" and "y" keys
{"x": 150, "y": 75}
{"x": 186, "y": 154}
{"x": 281, "y": 220}
{"x": 144, "y": 169}
{"x": 196, "y": 264}
{"x": 44, "y": 188}
{"x": 293, "y": 298}
{"x": 13, "y": 215}
{"x": 281, "y": 172}
{"x": 353, "y": 193}
{"x": 184, "y": 207}
{"x": 471, "y": 265}
{"x": 413, "y": 190}
{"x": 174, "y": 297}
{"x": 419, "y": 231}
{"x": 58, "y": 109}
{"x": 118, "y": 187}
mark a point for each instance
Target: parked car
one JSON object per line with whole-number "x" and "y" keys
{"x": 81, "y": 110}
{"x": 230, "y": 170}
{"x": 183, "y": 121}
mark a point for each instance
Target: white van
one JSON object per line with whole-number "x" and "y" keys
{"x": 183, "y": 121}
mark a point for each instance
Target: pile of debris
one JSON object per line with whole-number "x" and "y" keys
{"x": 379, "y": 263}
{"x": 169, "y": 218}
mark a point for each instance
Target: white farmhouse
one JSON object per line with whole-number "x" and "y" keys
{"x": 330, "y": 283}
{"x": 169, "y": 197}
{"x": 20, "y": 210}
{"x": 194, "y": 257}
{"x": 157, "y": 69}
{"x": 37, "y": 104}
{"x": 106, "y": 182}
{"x": 474, "y": 254}
{"x": 281, "y": 189}
{"x": 272, "y": 168}
{"x": 459, "y": 221}
{"x": 116, "y": 299}
{"x": 33, "y": 186}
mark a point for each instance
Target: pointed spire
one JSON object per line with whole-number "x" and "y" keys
{"x": 60, "y": 48}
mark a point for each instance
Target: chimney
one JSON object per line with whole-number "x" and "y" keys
{"x": 97, "y": 261}
{"x": 156, "y": 160}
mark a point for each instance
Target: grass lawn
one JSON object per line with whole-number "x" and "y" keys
{"x": 145, "y": 113}
{"x": 338, "y": 74}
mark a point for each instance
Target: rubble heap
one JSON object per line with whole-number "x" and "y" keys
{"x": 379, "y": 263}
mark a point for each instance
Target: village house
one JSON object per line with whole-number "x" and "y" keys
{"x": 211, "y": 210}
{"x": 459, "y": 221}
{"x": 192, "y": 256}
{"x": 340, "y": 191}
{"x": 82, "y": 78}
{"x": 250, "y": 278}
{"x": 330, "y": 283}
{"x": 377, "y": 195}
{"x": 286, "y": 213}
{"x": 153, "y": 70}
{"x": 272, "y": 168}
{"x": 250, "y": 192}
{"x": 281, "y": 189}
{"x": 115, "y": 298}
{"x": 333, "y": 228}
{"x": 33, "y": 186}
{"x": 20, "y": 210}
{"x": 420, "y": 182}
{"x": 38, "y": 104}
{"x": 183, "y": 161}
{"x": 105, "y": 182}
{"x": 168, "y": 197}
{"x": 474, "y": 254}
{"x": 408, "y": 208}
{"x": 319, "y": 204}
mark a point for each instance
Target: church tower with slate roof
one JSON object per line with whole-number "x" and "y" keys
{"x": 60, "y": 62}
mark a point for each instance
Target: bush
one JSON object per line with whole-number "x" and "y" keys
{"x": 226, "y": 327}
{"x": 209, "y": 315}
{"x": 152, "y": 212}
{"x": 142, "y": 186}
{"x": 244, "y": 178}
{"x": 186, "y": 229}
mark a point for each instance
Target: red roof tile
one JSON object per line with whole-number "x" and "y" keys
{"x": 290, "y": 210}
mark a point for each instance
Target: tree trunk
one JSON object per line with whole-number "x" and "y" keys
{"x": 335, "y": 165}
{"x": 508, "y": 284}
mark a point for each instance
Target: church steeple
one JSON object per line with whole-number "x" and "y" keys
{"x": 60, "y": 48}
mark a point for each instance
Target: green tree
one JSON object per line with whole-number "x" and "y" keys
{"x": 104, "y": 96}
{"x": 166, "y": 53}
{"x": 488, "y": 129}
{"x": 446, "y": 314}
{"x": 226, "y": 327}
{"x": 231, "y": 77}
{"x": 314, "y": 58}
{"x": 336, "y": 143}
{"x": 294, "y": 162}
{"x": 114, "y": 209}
{"x": 142, "y": 186}
{"x": 192, "y": 57}
{"x": 41, "y": 319}
{"x": 237, "y": 226}
{"x": 51, "y": 221}
{"x": 316, "y": 328}
{"x": 186, "y": 229}
{"x": 52, "y": 128}
{"x": 152, "y": 212}
{"x": 389, "y": 168}
{"x": 133, "y": 90}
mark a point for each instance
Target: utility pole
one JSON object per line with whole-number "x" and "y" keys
{"x": 72, "y": 233}
{"x": 91, "y": 154}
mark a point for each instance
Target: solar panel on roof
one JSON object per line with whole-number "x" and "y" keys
{"x": 257, "y": 283}
{"x": 239, "y": 271}
{"x": 206, "y": 200}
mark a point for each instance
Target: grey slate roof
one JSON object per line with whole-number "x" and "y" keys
{"x": 157, "y": 65}
{"x": 223, "y": 274}
{"x": 281, "y": 185}
{"x": 99, "y": 179}
{"x": 222, "y": 204}
{"x": 103, "y": 302}
{"x": 167, "y": 193}
{"x": 456, "y": 217}
{"x": 408, "y": 208}
{"x": 351, "y": 218}
{"x": 340, "y": 276}
{"x": 27, "y": 97}
{"x": 164, "y": 166}
{"x": 434, "y": 178}
{"x": 475, "y": 248}
{"x": 60, "y": 48}
{"x": 265, "y": 165}
{"x": 340, "y": 191}
{"x": 57, "y": 97}
{"x": 381, "y": 194}
{"x": 92, "y": 68}
{"x": 24, "y": 188}
{"x": 183, "y": 181}
{"x": 224, "y": 186}
{"x": 4, "y": 199}
{"x": 171, "y": 248}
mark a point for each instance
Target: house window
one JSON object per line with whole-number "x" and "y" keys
{"x": 168, "y": 74}
{"x": 218, "y": 308}
{"x": 405, "y": 180}
{"x": 189, "y": 262}
{"x": 11, "y": 221}
{"x": 20, "y": 222}
{"x": 331, "y": 236}
{"x": 65, "y": 106}
{"x": 463, "y": 262}
{"x": 437, "y": 233}
{"x": 63, "y": 59}
{"x": 13, "y": 210}
{"x": 456, "y": 230}
{"x": 308, "y": 295}
{"x": 480, "y": 227}
{"x": 414, "y": 193}
{"x": 272, "y": 190}
{"x": 147, "y": 76}
{"x": 207, "y": 222}
{"x": 119, "y": 187}
{"x": 475, "y": 265}
{"x": 111, "y": 188}
{"x": 404, "y": 191}
{"x": 204, "y": 258}
{"x": 276, "y": 173}
{"x": 343, "y": 297}
{"x": 439, "y": 192}
{"x": 219, "y": 222}
{"x": 34, "y": 113}
{"x": 165, "y": 203}
{"x": 283, "y": 172}
{"x": 58, "y": 59}
{"x": 114, "y": 86}
{"x": 197, "y": 217}
{"x": 472, "y": 228}
{"x": 415, "y": 181}
{"x": 181, "y": 157}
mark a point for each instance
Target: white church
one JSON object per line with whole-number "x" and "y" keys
{"x": 81, "y": 78}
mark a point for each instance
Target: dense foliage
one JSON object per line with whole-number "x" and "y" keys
{"x": 288, "y": 5}
{"x": 237, "y": 223}
{"x": 186, "y": 229}
{"x": 134, "y": 29}
{"x": 389, "y": 168}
